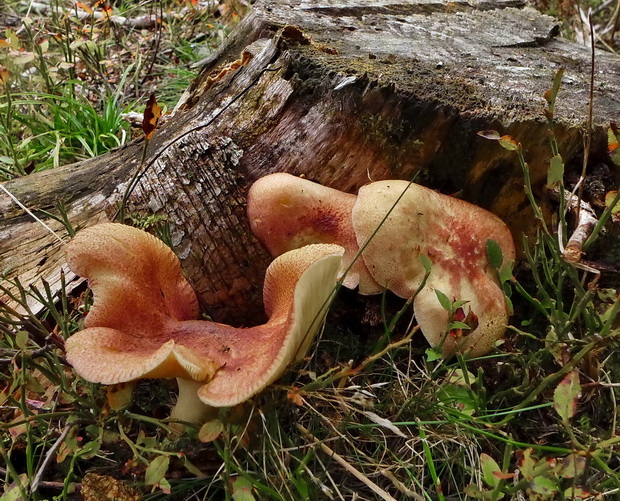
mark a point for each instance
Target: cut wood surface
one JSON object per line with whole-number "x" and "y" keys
{"x": 341, "y": 92}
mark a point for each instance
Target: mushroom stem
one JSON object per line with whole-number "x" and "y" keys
{"x": 189, "y": 407}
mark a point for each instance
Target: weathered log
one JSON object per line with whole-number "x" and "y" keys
{"x": 341, "y": 91}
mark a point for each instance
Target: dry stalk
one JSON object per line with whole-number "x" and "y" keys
{"x": 346, "y": 465}
{"x": 586, "y": 221}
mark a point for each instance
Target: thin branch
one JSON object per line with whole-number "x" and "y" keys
{"x": 32, "y": 354}
{"x": 31, "y": 214}
{"x": 50, "y": 455}
{"x": 585, "y": 224}
{"x": 347, "y": 466}
{"x": 44, "y": 484}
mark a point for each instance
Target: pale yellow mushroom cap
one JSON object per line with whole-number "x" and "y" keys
{"x": 453, "y": 234}
{"x": 287, "y": 212}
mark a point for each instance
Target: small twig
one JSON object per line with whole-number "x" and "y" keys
{"x": 347, "y": 466}
{"x": 31, "y": 214}
{"x": 586, "y": 221}
{"x": 50, "y": 454}
{"x": 585, "y": 224}
{"x": 407, "y": 339}
{"x": 32, "y": 354}
{"x": 400, "y": 486}
{"x": 45, "y": 484}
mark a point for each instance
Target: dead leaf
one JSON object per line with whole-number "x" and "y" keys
{"x": 106, "y": 488}
{"x": 152, "y": 112}
{"x": 294, "y": 396}
{"x": 84, "y": 7}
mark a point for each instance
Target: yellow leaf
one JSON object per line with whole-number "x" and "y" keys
{"x": 210, "y": 430}
{"x": 84, "y": 7}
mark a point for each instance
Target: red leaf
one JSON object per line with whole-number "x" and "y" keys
{"x": 152, "y": 112}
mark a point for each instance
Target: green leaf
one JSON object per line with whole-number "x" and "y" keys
{"x": 572, "y": 466}
{"x": 509, "y": 143}
{"x": 511, "y": 309}
{"x": 426, "y": 262}
{"x": 552, "y": 93}
{"x": 242, "y": 489}
{"x": 505, "y": 273}
{"x": 459, "y": 303}
{"x": 494, "y": 254}
{"x": 21, "y": 339}
{"x": 489, "y": 470}
{"x": 578, "y": 493}
{"x": 210, "y": 430}
{"x": 432, "y": 355}
{"x": 193, "y": 469}
{"x": 566, "y": 395}
{"x": 555, "y": 174}
{"x": 553, "y": 344}
{"x": 444, "y": 301}
{"x": 527, "y": 463}
{"x": 146, "y": 441}
{"x": 156, "y": 470}
{"x": 165, "y": 486}
{"x": 543, "y": 485}
{"x": 457, "y": 397}
{"x": 90, "y": 449}
{"x": 13, "y": 491}
{"x": 459, "y": 325}
{"x": 473, "y": 491}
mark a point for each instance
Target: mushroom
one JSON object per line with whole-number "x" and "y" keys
{"x": 142, "y": 323}
{"x": 287, "y": 212}
{"x": 453, "y": 234}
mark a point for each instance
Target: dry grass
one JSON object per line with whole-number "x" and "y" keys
{"x": 372, "y": 414}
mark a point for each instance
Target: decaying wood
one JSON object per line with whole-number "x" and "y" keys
{"x": 341, "y": 91}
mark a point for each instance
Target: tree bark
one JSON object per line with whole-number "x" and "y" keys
{"x": 342, "y": 92}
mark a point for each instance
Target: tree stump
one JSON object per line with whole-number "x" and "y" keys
{"x": 342, "y": 92}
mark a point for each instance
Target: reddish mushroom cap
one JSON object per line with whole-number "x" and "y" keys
{"x": 485, "y": 300}
{"x": 288, "y": 212}
{"x": 297, "y": 292}
{"x": 155, "y": 338}
{"x": 139, "y": 293}
{"x": 453, "y": 234}
{"x": 115, "y": 257}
